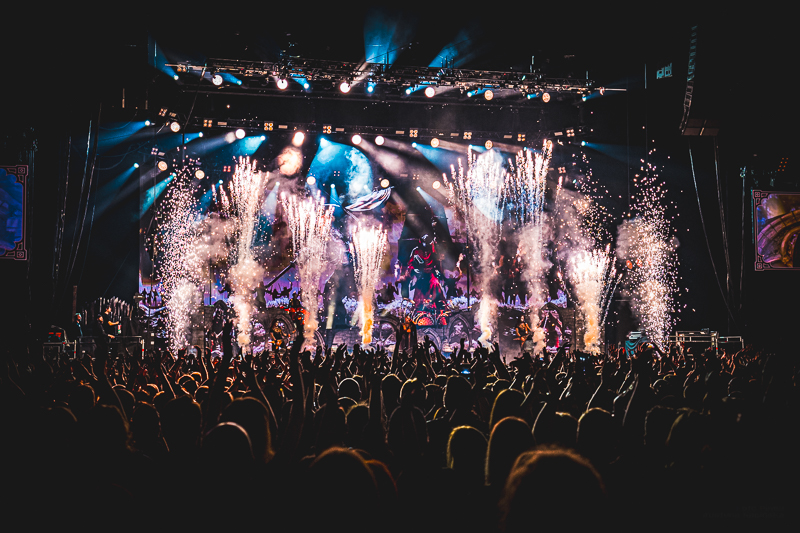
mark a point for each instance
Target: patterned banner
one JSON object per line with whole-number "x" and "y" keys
{"x": 13, "y": 212}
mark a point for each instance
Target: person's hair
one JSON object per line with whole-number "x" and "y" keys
{"x": 348, "y": 485}
{"x": 509, "y": 437}
{"x": 227, "y": 443}
{"x": 597, "y": 436}
{"x": 181, "y": 423}
{"x": 457, "y": 393}
{"x": 507, "y": 403}
{"x": 466, "y": 452}
{"x": 552, "y": 488}
{"x": 253, "y": 416}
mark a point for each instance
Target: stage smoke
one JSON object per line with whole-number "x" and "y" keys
{"x": 359, "y": 174}
{"x": 290, "y": 161}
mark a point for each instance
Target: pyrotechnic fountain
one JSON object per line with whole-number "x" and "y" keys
{"x": 310, "y": 222}
{"x": 529, "y": 180}
{"x": 485, "y": 195}
{"x": 245, "y": 189}
{"x": 367, "y": 247}
{"x": 478, "y": 195}
{"x": 178, "y": 261}
{"x": 592, "y": 274}
{"x": 646, "y": 243}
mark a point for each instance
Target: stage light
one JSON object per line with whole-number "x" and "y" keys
{"x": 370, "y": 87}
{"x": 311, "y": 180}
{"x": 216, "y": 79}
{"x": 175, "y": 77}
{"x": 435, "y": 142}
{"x": 306, "y": 85}
{"x": 437, "y": 184}
{"x": 146, "y": 122}
{"x": 136, "y": 165}
{"x": 488, "y": 145}
{"x": 344, "y": 87}
{"x": 356, "y": 139}
{"x": 230, "y": 137}
{"x": 379, "y": 140}
{"x": 430, "y": 92}
{"x": 488, "y": 95}
{"x": 545, "y": 97}
{"x": 414, "y": 145}
{"x": 200, "y": 134}
{"x": 220, "y": 182}
{"x": 240, "y": 133}
{"x": 384, "y": 183}
{"x": 298, "y": 138}
{"x": 174, "y": 126}
{"x": 199, "y": 174}
{"x": 263, "y": 137}
{"x": 162, "y": 166}
{"x": 583, "y": 143}
{"x": 282, "y": 84}
{"x": 408, "y": 91}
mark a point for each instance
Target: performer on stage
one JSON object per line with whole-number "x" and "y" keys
{"x": 295, "y": 309}
{"x": 451, "y": 279}
{"x": 523, "y": 331}
{"x": 75, "y": 329}
{"x": 109, "y": 325}
{"x": 276, "y": 336}
{"x": 423, "y": 267}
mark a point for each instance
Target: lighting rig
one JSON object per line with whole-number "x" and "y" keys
{"x": 301, "y": 74}
{"x": 524, "y": 96}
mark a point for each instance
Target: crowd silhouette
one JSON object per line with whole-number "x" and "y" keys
{"x": 365, "y": 440}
